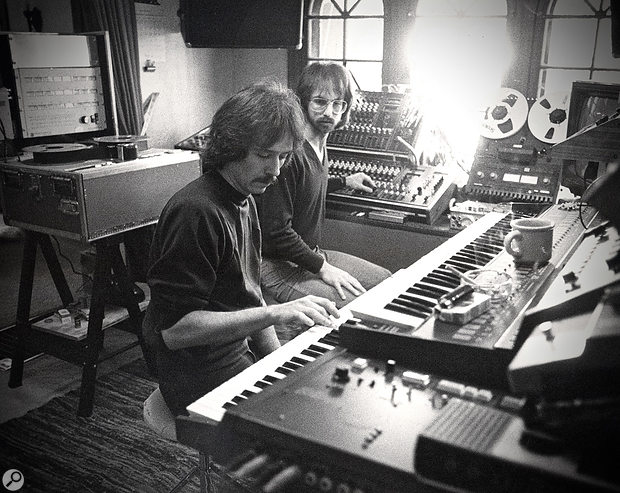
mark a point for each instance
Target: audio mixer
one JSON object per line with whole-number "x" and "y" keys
{"x": 377, "y": 141}
{"x": 376, "y": 121}
{"x": 419, "y": 194}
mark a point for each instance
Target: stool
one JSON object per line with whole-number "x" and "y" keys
{"x": 159, "y": 418}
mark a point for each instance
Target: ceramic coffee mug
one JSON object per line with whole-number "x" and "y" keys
{"x": 530, "y": 241}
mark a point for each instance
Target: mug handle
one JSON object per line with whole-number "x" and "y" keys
{"x": 513, "y": 235}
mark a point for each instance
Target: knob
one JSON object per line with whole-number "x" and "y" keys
{"x": 547, "y": 329}
{"x": 341, "y": 373}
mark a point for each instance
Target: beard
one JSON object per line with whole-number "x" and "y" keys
{"x": 324, "y": 124}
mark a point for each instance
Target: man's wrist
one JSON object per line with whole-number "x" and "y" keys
{"x": 343, "y": 181}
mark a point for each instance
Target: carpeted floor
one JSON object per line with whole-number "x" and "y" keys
{"x": 111, "y": 451}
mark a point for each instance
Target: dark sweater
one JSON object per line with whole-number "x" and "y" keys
{"x": 205, "y": 255}
{"x": 292, "y": 211}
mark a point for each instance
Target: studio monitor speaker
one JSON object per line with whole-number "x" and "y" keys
{"x": 241, "y": 23}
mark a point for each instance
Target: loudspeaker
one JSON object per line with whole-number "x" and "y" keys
{"x": 615, "y": 27}
{"x": 242, "y": 23}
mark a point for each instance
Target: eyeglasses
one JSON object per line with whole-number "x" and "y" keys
{"x": 320, "y": 104}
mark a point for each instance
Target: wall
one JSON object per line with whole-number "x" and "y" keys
{"x": 192, "y": 82}
{"x": 56, "y": 15}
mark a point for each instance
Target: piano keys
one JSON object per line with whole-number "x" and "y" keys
{"x": 408, "y": 297}
{"x": 293, "y": 355}
{"x": 395, "y": 319}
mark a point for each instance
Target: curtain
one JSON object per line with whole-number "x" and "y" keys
{"x": 118, "y": 17}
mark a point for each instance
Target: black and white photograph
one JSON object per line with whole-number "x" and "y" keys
{"x": 309, "y": 246}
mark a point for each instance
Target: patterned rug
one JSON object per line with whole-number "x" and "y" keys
{"x": 111, "y": 451}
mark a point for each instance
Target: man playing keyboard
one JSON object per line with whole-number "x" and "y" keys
{"x": 206, "y": 302}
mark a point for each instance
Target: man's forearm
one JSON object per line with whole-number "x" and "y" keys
{"x": 203, "y": 327}
{"x": 265, "y": 341}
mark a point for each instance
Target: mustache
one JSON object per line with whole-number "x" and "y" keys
{"x": 268, "y": 181}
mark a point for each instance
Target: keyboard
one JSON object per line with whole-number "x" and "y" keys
{"x": 276, "y": 366}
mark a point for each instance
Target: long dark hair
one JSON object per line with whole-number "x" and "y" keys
{"x": 257, "y": 116}
{"x": 321, "y": 73}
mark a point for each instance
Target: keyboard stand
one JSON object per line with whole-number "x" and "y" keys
{"x": 109, "y": 264}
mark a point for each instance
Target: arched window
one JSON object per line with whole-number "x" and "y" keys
{"x": 349, "y": 32}
{"x": 577, "y": 45}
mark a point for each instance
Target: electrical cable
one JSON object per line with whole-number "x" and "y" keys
{"x": 88, "y": 276}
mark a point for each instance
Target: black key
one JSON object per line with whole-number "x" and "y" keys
{"x": 284, "y": 370}
{"x": 229, "y": 404}
{"x": 463, "y": 267}
{"x": 247, "y": 393}
{"x": 412, "y": 303}
{"x": 292, "y": 366}
{"x": 432, "y": 291}
{"x": 298, "y": 360}
{"x": 237, "y": 399}
{"x": 403, "y": 309}
{"x": 311, "y": 353}
{"x": 330, "y": 339}
{"x": 270, "y": 379}
{"x": 261, "y": 384}
{"x": 471, "y": 259}
{"x": 318, "y": 349}
{"x": 416, "y": 299}
{"x": 441, "y": 280}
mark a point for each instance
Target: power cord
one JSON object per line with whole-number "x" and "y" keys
{"x": 73, "y": 269}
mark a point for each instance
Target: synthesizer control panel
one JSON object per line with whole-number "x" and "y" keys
{"x": 419, "y": 194}
{"x": 348, "y": 423}
{"x": 377, "y": 141}
{"x": 377, "y": 122}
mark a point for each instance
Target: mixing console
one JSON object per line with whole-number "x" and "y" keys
{"x": 377, "y": 120}
{"x": 420, "y": 193}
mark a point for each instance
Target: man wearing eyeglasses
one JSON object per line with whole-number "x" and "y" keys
{"x": 292, "y": 211}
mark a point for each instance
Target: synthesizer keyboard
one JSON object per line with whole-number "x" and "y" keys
{"x": 293, "y": 355}
{"x": 395, "y": 319}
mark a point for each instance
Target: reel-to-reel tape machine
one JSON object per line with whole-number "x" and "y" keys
{"x": 508, "y": 165}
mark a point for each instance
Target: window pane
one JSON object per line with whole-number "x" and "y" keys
{"x": 368, "y": 7}
{"x": 607, "y": 76}
{"x": 364, "y": 39}
{"x": 366, "y": 74}
{"x": 330, "y": 35}
{"x": 559, "y": 80}
{"x": 572, "y": 42}
{"x": 574, "y": 7}
{"x": 603, "y": 58}
{"x": 328, "y": 8}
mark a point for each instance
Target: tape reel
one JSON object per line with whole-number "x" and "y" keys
{"x": 548, "y": 117}
{"x": 58, "y": 153}
{"x": 506, "y": 116}
{"x": 55, "y": 148}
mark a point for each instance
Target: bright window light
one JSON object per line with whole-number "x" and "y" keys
{"x": 456, "y": 63}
